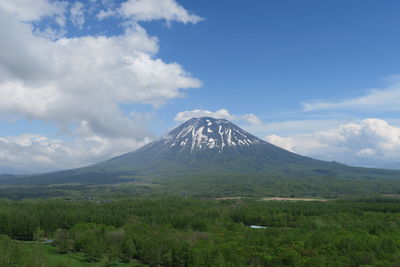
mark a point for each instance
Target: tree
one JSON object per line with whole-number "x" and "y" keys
{"x": 38, "y": 234}
{"x": 63, "y": 240}
{"x": 128, "y": 249}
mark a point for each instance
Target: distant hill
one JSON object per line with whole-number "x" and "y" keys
{"x": 204, "y": 154}
{"x": 393, "y": 166}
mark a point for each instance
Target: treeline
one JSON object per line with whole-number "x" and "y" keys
{"x": 194, "y": 232}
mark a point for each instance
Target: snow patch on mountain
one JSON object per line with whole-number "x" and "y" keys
{"x": 209, "y": 133}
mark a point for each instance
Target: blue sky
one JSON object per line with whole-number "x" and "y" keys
{"x": 82, "y": 81}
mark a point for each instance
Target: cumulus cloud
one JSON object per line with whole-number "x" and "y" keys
{"x": 371, "y": 142}
{"x": 28, "y": 10}
{"x": 219, "y": 114}
{"x": 378, "y": 100}
{"x": 79, "y": 84}
{"x": 148, "y": 10}
{"x": 84, "y": 79}
{"x": 30, "y": 153}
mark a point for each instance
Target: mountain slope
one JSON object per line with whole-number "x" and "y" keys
{"x": 205, "y": 151}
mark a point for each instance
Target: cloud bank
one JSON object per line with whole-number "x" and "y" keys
{"x": 371, "y": 142}
{"x": 30, "y": 153}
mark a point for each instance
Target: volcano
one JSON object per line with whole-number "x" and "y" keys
{"x": 204, "y": 150}
{"x": 207, "y": 144}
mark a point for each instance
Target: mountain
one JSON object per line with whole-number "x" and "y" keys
{"x": 207, "y": 153}
{"x": 200, "y": 144}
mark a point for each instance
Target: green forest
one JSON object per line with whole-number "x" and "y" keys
{"x": 161, "y": 231}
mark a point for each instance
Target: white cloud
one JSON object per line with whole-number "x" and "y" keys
{"x": 84, "y": 79}
{"x": 251, "y": 118}
{"x": 29, "y": 153}
{"x": 79, "y": 84}
{"x": 196, "y": 113}
{"x": 28, "y": 10}
{"x": 377, "y": 100}
{"x": 103, "y": 14}
{"x": 219, "y": 114}
{"x": 148, "y": 10}
{"x": 78, "y": 14}
{"x": 371, "y": 142}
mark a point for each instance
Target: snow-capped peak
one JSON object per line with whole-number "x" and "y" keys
{"x": 208, "y": 133}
